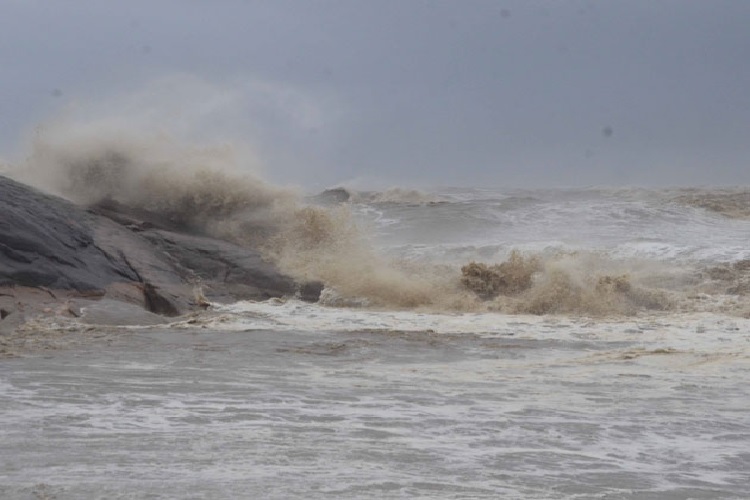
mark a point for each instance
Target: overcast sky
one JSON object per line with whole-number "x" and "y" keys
{"x": 461, "y": 92}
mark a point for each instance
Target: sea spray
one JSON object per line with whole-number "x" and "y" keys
{"x": 567, "y": 283}
{"x": 326, "y": 245}
{"x": 209, "y": 190}
{"x": 204, "y": 189}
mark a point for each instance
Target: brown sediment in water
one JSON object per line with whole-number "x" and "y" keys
{"x": 732, "y": 279}
{"x": 563, "y": 284}
{"x": 559, "y": 292}
{"x": 28, "y": 315}
{"x": 507, "y": 278}
{"x": 326, "y": 245}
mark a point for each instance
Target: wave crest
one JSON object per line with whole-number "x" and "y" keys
{"x": 562, "y": 284}
{"x": 204, "y": 189}
{"x": 208, "y": 189}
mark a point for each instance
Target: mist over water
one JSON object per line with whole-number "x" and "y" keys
{"x": 593, "y": 252}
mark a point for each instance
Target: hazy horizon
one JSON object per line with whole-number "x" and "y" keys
{"x": 322, "y": 93}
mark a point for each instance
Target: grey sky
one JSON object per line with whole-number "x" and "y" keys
{"x": 502, "y": 92}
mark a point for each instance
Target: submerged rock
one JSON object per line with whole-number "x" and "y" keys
{"x": 333, "y": 196}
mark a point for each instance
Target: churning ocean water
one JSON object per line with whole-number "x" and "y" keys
{"x": 542, "y": 344}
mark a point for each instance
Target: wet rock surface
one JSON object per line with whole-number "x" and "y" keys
{"x": 53, "y": 251}
{"x": 47, "y": 241}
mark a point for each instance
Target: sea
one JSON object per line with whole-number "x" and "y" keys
{"x": 473, "y": 343}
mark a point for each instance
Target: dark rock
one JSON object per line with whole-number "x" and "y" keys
{"x": 227, "y": 270}
{"x": 135, "y": 218}
{"x": 333, "y": 196}
{"x": 54, "y": 248}
{"x": 47, "y": 241}
{"x": 310, "y": 291}
{"x": 157, "y": 302}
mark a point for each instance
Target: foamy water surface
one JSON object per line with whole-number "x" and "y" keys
{"x": 284, "y": 399}
{"x": 487, "y": 223}
{"x": 291, "y": 400}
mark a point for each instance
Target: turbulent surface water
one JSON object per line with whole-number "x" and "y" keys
{"x": 290, "y": 400}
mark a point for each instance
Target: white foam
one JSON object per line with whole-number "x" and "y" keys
{"x": 332, "y": 402}
{"x": 695, "y": 333}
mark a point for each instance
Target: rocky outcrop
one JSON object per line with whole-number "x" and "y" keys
{"x": 333, "y": 196}
{"x": 47, "y": 241}
{"x": 61, "y": 250}
{"x": 226, "y": 270}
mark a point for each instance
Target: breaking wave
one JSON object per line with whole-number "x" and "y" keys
{"x": 204, "y": 189}
{"x": 208, "y": 189}
{"x": 564, "y": 284}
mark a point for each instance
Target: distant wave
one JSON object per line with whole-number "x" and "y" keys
{"x": 733, "y": 203}
{"x": 394, "y": 195}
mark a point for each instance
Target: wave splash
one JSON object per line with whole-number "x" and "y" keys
{"x": 207, "y": 189}
{"x": 532, "y": 285}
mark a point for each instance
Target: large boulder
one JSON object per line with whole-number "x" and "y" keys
{"x": 47, "y": 241}
{"x": 228, "y": 271}
{"x": 50, "y": 244}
